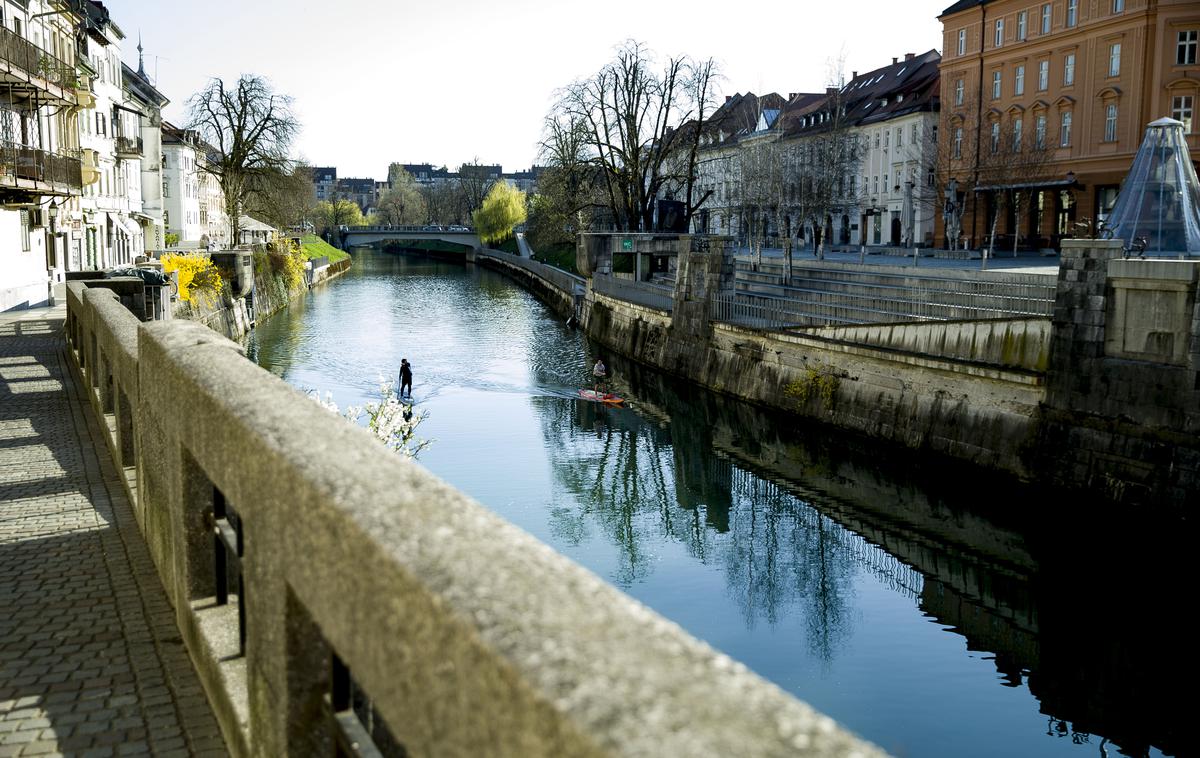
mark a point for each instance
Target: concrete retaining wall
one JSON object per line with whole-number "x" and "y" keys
{"x": 968, "y": 410}
{"x": 468, "y": 636}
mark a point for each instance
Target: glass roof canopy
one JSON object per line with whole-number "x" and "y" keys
{"x": 1159, "y": 201}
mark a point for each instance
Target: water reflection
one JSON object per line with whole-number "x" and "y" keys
{"x": 933, "y": 610}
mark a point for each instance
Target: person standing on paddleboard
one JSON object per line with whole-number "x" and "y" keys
{"x": 599, "y": 376}
{"x": 405, "y": 377}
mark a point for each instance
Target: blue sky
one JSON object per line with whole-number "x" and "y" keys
{"x": 376, "y": 81}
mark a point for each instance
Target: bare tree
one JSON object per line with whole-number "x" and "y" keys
{"x": 633, "y": 113}
{"x": 283, "y": 198}
{"x": 567, "y": 189}
{"x": 829, "y": 161}
{"x": 1011, "y": 165}
{"x": 474, "y": 181}
{"x": 402, "y": 203}
{"x": 250, "y": 128}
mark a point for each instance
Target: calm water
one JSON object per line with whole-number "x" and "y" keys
{"x": 932, "y": 615}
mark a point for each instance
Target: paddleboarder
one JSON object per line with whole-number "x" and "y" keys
{"x": 405, "y": 377}
{"x": 599, "y": 376}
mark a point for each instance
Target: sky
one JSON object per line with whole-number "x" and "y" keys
{"x": 381, "y": 81}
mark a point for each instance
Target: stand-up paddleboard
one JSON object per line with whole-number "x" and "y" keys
{"x": 601, "y": 397}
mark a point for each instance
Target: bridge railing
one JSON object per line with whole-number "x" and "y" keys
{"x": 331, "y": 592}
{"x": 409, "y": 228}
{"x": 646, "y": 294}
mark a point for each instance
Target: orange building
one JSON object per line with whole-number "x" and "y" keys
{"x": 1075, "y": 80}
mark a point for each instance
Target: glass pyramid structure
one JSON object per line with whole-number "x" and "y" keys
{"x": 1160, "y": 199}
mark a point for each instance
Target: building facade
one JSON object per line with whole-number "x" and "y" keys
{"x": 1074, "y": 82}
{"x": 41, "y": 172}
{"x": 144, "y": 99}
{"x": 182, "y": 149}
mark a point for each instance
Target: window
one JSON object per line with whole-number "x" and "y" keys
{"x": 1114, "y": 59}
{"x": 1181, "y": 110}
{"x": 1043, "y": 75}
{"x": 1072, "y": 12}
{"x": 25, "y": 243}
{"x": 100, "y": 129}
{"x": 876, "y": 140}
{"x": 999, "y": 32}
{"x": 1185, "y": 48}
{"x": 1019, "y": 81}
{"x": 1021, "y": 18}
{"x": 1039, "y": 132}
{"x": 916, "y": 134}
{"x": 1018, "y": 126}
{"x": 996, "y": 79}
{"x": 1118, "y": 6}
{"x": 900, "y": 137}
{"x": 1069, "y": 70}
{"x": 1065, "y": 136}
{"x": 875, "y": 183}
{"x": 958, "y": 92}
{"x": 962, "y": 41}
{"x": 1110, "y": 123}
{"x": 995, "y": 137}
{"x": 886, "y": 138}
{"x": 885, "y": 184}
{"x": 958, "y": 142}
{"x": 1046, "y": 18}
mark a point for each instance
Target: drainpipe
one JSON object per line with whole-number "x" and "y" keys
{"x": 978, "y": 119}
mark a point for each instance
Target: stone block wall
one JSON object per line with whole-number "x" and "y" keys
{"x": 1122, "y": 409}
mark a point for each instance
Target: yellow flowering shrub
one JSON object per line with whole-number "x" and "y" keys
{"x": 199, "y": 279}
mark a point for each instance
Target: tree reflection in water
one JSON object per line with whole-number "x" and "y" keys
{"x": 639, "y": 483}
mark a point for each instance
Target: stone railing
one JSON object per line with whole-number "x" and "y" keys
{"x": 332, "y": 593}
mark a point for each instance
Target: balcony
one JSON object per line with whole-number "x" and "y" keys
{"x": 24, "y": 65}
{"x": 28, "y": 173}
{"x": 129, "y": 147}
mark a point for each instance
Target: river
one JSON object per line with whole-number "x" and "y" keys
{"x": 934, "y": 611}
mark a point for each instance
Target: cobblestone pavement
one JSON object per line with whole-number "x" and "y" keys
{"x": 91, "y": 662}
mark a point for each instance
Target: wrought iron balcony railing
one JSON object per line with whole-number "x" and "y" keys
{"x": 34, "y": 61}
{"x": 129, "y": 147}
{"x": 62, "y": 172}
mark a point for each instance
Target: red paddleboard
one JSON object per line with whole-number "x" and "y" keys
{"x": 601, "y": 397}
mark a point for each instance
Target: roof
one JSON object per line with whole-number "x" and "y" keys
{"x": 141, "y": 87}
{"x": 963, "y": 5}
{"x": 251, "y": 224}
{"x": 904, "y": 87}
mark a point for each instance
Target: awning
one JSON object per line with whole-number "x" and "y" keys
{"x": 1028, "y": 185}
{"x": 131, "y": 227}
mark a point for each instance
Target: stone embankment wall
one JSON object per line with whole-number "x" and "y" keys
{"x": 969, "y": 390}
{"x": 231, "y": 316}
{"x": 468, "y": 636}
{"x": 1104, "y": 397}
{"x": 1122, "y": 411}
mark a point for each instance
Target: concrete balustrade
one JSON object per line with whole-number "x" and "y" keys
{"x": 469, "y": 636}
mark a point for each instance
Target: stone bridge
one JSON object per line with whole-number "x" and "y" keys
{"x": 348, "y": 236}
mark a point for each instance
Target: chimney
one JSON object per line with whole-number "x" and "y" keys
{"x": 792, "y": 95}
{"x": 909, "y": 56}
{"x": 853, "y": 75}
{"x": 895, "y": 61}
{"x": 728, "y": 98}
{"x": 831, "y": 90}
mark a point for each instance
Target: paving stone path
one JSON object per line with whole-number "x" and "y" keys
{"x": 91, "y": 662}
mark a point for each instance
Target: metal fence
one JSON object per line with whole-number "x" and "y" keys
{"x": 33, "y": 60}
{"x": 640, "y": 293}
{"x": 758, "y": 311}
{"x": 836, "y": 295}
{"x": 31, "y": 163}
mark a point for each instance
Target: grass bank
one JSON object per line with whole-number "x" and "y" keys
{"x": 315, "y": 247}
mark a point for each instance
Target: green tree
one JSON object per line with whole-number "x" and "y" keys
{"x": 328, "y": 215}
{"x": 502, "y": 209}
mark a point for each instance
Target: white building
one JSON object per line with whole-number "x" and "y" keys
{"x": 40, "y": 170}
{"x": 109, "y": 133}
{"x": 147, "y": 103}
{"x": 181, "y": 183}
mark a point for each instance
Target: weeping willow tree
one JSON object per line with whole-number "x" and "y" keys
{"x": 503, "y": 208}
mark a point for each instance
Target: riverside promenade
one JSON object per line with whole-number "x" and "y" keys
{"x": 91, "y": 661}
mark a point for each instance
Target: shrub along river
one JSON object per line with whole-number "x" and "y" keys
{"x": 930, "y": 609}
